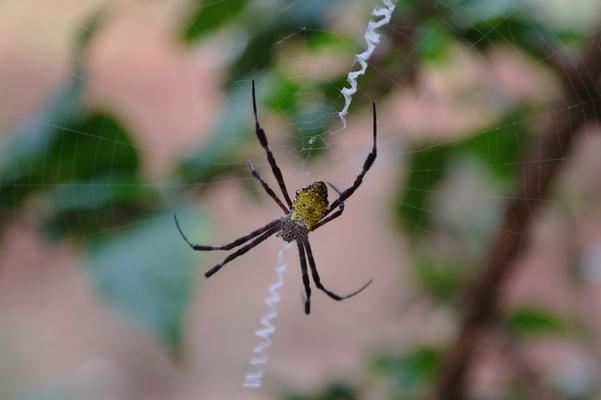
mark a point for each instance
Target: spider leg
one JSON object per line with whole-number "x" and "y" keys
{"x": 229, "y": 246}
{"x": 242, "y": 250}
{"x": 263, "y": 140}
{"x": 317, "y": 280}
{"x": 333, "y": 216}
{"x": 270, "y": 192}
{"x": 306, "y": 283}
{"x": 366, "y": 166}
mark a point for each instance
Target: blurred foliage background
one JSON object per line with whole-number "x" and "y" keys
{"x": 95, "y": 157}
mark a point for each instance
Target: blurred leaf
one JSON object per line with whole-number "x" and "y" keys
{"x": 86, "y": 207}
{"x": 439, "y": 280}
{"x": 413, "y": 374}
{"x": 318, "y": 40}
{"x": 482, "y": 23}
{"x": 501, "y": 148}
{"x": 498, "y": 148}
{"x": 294, "y": 19}
{"x": 433, "y": 41}
{"x": 307, "y": 13}
{"x": 427, "y": 167}
{"x": 22, "y": 151}
{"x": 67, "y": 144}
{"x": 284, "y": 96}
{"x": 148, "y": 272}
{"x": 527, "y": 321}
{"x": 232, "y": 131}
{"x": 88, "y": 30}
{"x": 334, "y": 391}
{"x": 208, "y": 15}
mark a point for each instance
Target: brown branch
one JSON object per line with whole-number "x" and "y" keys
{"x": 580, "y": 105}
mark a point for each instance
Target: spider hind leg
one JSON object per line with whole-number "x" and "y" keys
{"x": 317, "y": 280}
{"x": 305, "y": 275}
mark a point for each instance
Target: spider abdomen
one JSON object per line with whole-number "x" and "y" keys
{"x": 310, "y": 204}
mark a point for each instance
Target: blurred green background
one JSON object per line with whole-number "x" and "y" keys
{"x": 115, "y": 114}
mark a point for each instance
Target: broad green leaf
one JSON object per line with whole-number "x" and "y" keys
{"x": 501, "y": 147}
{"x": 206, "y": 16}
{"x": 148, "y": 272}
{"x": 66, "y": 141}
{"x": 89, "y": 29}
{"x": 67, "y": 144}
{"x": 284, "y": 96}
{"x": 333, "y": 391}
{"x": 318, "y": 40}
{"x": 294, "y": 19}
{"x": 412, "y": 374}
{"x": 234, "y": 129}
{"x": 498, "y": 148}
{"x": 23, "y": 150}
{"x": 529, "y": 321}
{"x": 440, "y": 280}
{"x": 433, "y": 41}
{"x": 95, "y": 205}
{"x": 427, "y": 167}
{"x": 482, "y": 23}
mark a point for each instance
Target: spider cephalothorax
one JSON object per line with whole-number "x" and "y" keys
{"x": 309, "y": 211}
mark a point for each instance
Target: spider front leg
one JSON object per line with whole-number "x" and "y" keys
{"x": 270, "y": 158}
{"x": 371, "y": 157}
{"x": 269, "y": 191}
{"x": 317, "y": 279}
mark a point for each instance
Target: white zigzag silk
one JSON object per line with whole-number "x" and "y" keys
{"x": 372, "y": 38}
{"x": 254, "y": 379}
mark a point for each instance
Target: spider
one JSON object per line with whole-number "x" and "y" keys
{"x": 309, "y": 211}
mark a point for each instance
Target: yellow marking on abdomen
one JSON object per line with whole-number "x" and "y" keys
{"x": 310, "y": 204}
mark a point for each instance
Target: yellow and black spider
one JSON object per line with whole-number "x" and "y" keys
{"x": 308, "y": 212}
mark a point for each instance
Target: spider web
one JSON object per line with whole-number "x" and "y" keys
{"x": 458, "y": 93}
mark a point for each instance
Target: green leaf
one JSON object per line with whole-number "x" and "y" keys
{"x": 89, "y": 29}
{"x": 530, "y": 321}
{"x": 433, "y": 41}
{"x": 297, "y": 18}
{"x": 148, "y": 272}
{"x": 427, "y": 167}
{"x": 500, "y": 148}
{"x": 220, "y": 155}
{"x": 482, "y": 23}
{"x": 68, "y": 144}
{"x": 98, "y": 204}
{"x": 333, "y": 391}
{"x": 23, "y": 150}
{"x": 208, "y": 15}
{"x": 439, "y": 280}
{"x": 412, "y": 374}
